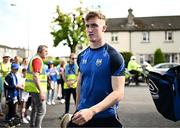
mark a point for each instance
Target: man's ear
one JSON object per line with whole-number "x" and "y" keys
{"x": 104, "y": 28}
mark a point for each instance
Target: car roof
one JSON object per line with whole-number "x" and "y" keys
{"x": 166, "y": 64}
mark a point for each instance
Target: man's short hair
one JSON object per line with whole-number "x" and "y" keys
{"x": 40, "y": 48}
{"x": 94, "y": 14}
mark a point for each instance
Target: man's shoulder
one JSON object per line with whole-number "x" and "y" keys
{"x": 83, "y": 52}
{"x": 36, "y": 60}
{"x": 111, "y": 50}
{"x": 9, "y": 75}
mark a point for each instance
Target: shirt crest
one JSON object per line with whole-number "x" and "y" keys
{"x": 98, "y": 62}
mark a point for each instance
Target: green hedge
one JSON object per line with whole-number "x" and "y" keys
{"x": 158, "y": 56}
{"x": 127, "y": 56}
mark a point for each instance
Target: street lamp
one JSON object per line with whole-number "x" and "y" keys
{"x": 13, "y": 5}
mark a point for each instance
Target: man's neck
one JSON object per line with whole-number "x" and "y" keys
{"x": 95, "y": 45}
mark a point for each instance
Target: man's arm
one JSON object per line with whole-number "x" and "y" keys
{"x": 115, "y": 96}
{"x": 37, "y": 81}
{"x": 36, "y": 64}
{"x": 78, "y": 88}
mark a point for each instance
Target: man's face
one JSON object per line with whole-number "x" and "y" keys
{"x": 43, "y": 54}
{"x": 95, "y": 29}
{"x": 72, "y": 59}
{"x": 14, "y": 70}
{"x": 5, "y": 59}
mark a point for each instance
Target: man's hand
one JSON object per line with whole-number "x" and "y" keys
{"x": 83, "y": 116}
{"x": 70, "y": 83}
{"x": 20, "y": 87}
{"x": 42, "y": 96}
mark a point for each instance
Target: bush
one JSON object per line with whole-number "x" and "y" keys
{"x": 158, "y": 56}
{"x": 127, "y": 56}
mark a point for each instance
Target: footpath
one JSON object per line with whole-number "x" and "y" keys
{"x": 51, "y": 119}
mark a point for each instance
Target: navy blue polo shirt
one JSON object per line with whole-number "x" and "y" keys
{"x": 96, "y": 67}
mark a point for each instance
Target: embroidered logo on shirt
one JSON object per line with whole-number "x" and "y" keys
{"x": 98, "y": 62}
{"x": 84, "y": 61}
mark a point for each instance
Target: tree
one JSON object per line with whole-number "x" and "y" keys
{"x": 158, "y": 56}
{"x": 69, "y": 29}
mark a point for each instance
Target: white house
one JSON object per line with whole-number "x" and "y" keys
{"x": 143, "y": 35}
{"x": 12, "y": 52}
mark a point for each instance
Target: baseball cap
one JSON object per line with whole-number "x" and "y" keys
{"x": 14, "y": 66}
{"x": 6, "y": 55}
{"x": 50, "y": 62}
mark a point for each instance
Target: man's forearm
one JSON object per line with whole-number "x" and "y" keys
{"x": 109, "y": 101}
{"x": 78, "y": 89}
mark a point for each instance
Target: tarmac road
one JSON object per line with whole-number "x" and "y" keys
{"x": 136, "y": 110}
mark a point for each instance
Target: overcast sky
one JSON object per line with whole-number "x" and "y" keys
{"x": 30, "y": 20}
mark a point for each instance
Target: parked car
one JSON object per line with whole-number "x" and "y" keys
{"x": 163, "y": 67}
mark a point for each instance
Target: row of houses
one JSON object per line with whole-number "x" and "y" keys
{"x": 6, "y": 50}
{"x": 138, "y": 35}
{"x": 143, "y": 35}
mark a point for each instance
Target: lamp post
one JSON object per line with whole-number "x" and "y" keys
{"x": 27, "y": 12}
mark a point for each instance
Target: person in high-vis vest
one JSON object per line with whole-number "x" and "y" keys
{"x": 36, "y": 84}
{"x": 5, "y": 68}
{"x": 70, "y": 81}
{"x": 134, "y": 68}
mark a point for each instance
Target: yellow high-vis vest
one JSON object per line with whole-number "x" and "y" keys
{"x": 5, "y": 69}
{"x": 71, "y": 78}
{"x": 30, "y": 85}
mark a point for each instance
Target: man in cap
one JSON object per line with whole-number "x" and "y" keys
{"x": 5, "y": 68}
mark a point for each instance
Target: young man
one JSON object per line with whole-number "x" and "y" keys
{"x": 36, "y": 84}
{"x": 101, "y": 79}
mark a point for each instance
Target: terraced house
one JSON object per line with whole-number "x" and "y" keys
{"x": 143, "y": 35}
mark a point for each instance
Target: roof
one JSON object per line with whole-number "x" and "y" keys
{"x": 157, "y": 23}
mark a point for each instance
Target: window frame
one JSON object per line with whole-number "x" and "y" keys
{"x": 146, "y": 36}
{"x": 114, "y": 37}
{"x": 168, "y": 35}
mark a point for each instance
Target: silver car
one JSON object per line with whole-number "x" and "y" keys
{"x": 163, "y": 67}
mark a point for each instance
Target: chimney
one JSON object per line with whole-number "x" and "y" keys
{"x": 130, "y": 18}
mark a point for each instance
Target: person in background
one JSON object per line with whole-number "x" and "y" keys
{"x": 24, "y": 63}
{"x": 101, "y": 79}
{"x": 70, "y": 81}
{"x": 60, "y": 81}
{"x": 11, "y": 87}
{"x": 134, "y": 68}
{"x": 23, "y": 96}
{"x": 36, "y": 84}
{"x": 5, "y": 68}
{"x": 17, "y": 60}
{"x": 1, "y": 86}
{"x": 52, "y": 75}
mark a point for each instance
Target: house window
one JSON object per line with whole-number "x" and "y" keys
{"x": 168, "y": 36}
{"x": 114, "y": 37}
{"x": 145, "y": 36}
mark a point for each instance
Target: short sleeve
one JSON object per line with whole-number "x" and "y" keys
{"x": 36, "y": 64}
{"x": 117, "y": 65}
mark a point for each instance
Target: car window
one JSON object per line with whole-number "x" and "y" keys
{"x": 165, "y": 66}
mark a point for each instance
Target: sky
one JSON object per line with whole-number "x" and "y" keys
{"x": 27, "y": 23}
